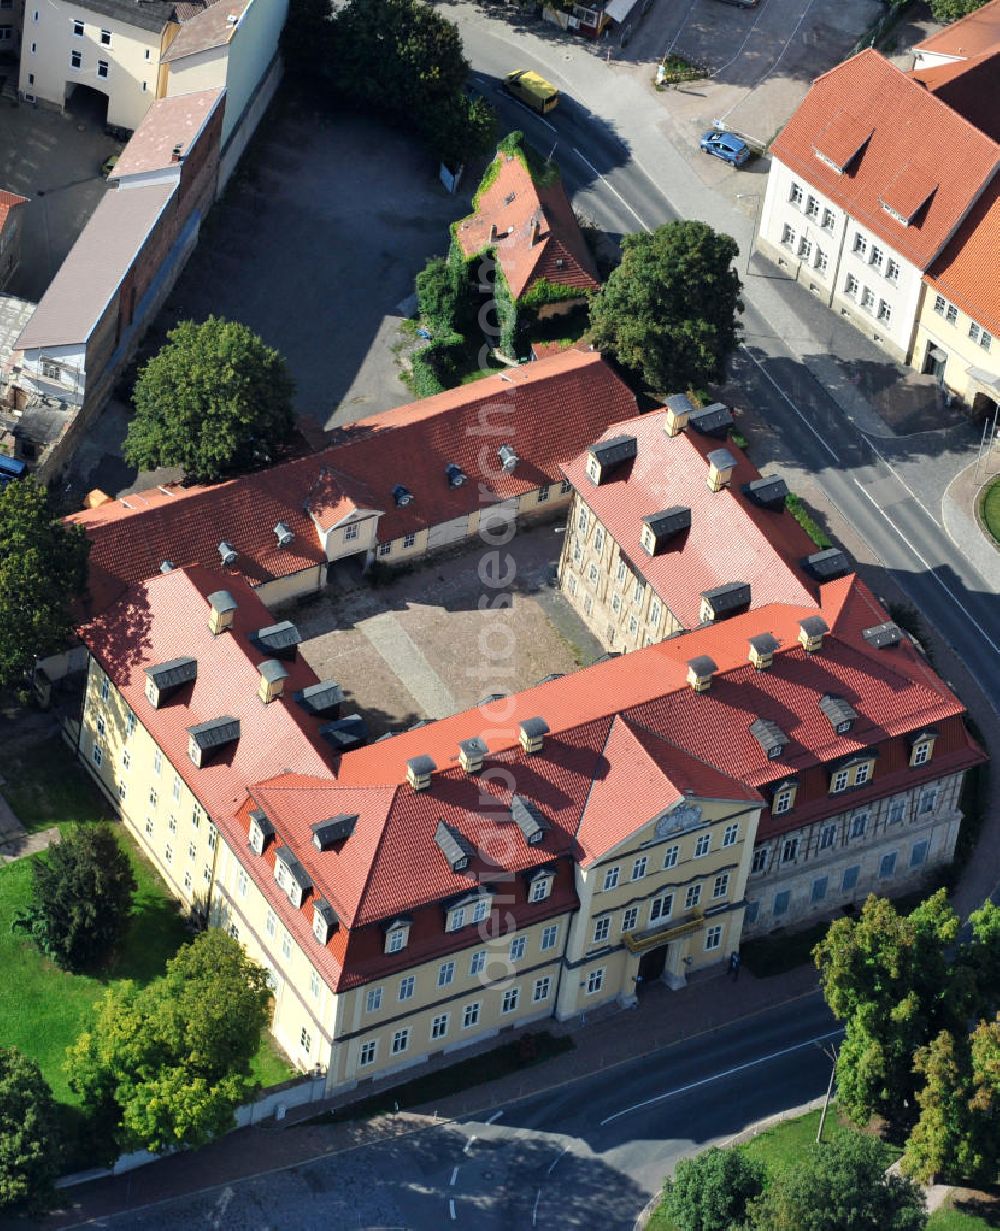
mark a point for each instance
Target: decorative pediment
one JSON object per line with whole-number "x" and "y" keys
{"x": 678, "y": 820}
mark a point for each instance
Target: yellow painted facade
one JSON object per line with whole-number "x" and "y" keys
{"x": 954, "y": 346}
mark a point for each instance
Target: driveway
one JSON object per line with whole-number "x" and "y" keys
{"x": 315, "y": 246}
{"x": 54, "y": 160}
{"x": 422, "y": 647}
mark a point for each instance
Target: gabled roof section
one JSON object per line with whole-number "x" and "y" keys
{"x": 913, "y": 155}
{"x": 169, "y": 123}
{"x": 729, "y": 537}
{"x": 966, "y": 272}
{"x": 971, "y": 35}
{"x": 532, "y": 228}
{"x": 213, "y": 27}
{"x": 969, "y": 87}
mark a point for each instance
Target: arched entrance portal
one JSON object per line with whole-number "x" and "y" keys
{"x": 85, "y": 103}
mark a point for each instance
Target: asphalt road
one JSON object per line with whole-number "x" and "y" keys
{"x": 587, "y": 1155}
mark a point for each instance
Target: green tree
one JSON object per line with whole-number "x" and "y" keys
{"x": 943, "y": 1139}
{"x": 215, "y": 400}
{"x": 842, "y": 1186}
{"x": 668, "y": 312}
{"x": 43, "y": 570}
{"x": 81, "y": 898}
{"x": 460, "y": 128}
{"x": 952, "y": 10}
{"x": 167, "y": 1065}
{"x": 29, "y": 1136}
{"x": 307, "y": 42}
{"x": 712, "y": 1191}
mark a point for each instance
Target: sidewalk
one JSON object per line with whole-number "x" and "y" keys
{"x": 617, "y": 1036}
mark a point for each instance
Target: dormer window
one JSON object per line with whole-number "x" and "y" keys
{"x": 454, "y": 846}
{"x": 291, "y": 876}
{"x": 472, "y": 909}
{"x": 783, "y": 799}
{"x": 402, "y": 496}
{"x": 840, "y": 714}
{"x": 540, "y": 884}
{"x": 325, "y": 920}
{"x": 397, "y": 935}
{"x": 770, "y": 737}
{"x": 922, "y": 748}
{"x": 260, "y": 830}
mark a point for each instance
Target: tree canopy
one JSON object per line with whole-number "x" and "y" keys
{"x": 81, "y": 898}
{"x": 668, "y": 312}
{"x": 216, "y": 400}
{"x": 29, "y": 1136}
{"x": 167, "y": 1065}
{"x": 712, "y": 1191}
{"x": 952, "y": 10}
{"x": 43, "y": 569}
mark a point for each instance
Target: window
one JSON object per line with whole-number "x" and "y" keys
{"x": 286, "y": 945}
{"x": 616, "y": 602}
{"x": 78, "y": 29}
{"x": 859, "y": 823}
{"x": 305, "y": 1040}
{"x": 897, "y": 810}
{"x": 456, "y": 919}
{"x": 980, "y": 336}
{"x": 595, "y": 981}
{"x": 98, "y": 755}
{"x": 661, "y": 907}
{"x": 582, "y": 520}
{"x": 928, "y": 799}
{"x": 157, "y": 761}
{"x": 851, "y": 285}
{"x": 350, "y": 531}
{"x": 152, "y": 797}
{"x": 951, "y": 314}
{"x": 812, "y": 208}
{"x": 887, "y": 866}
{"x": 149, "y": 826}
{"x": 470, "y": 1015}
{"x": 598, "y": 539}
{"x": 751, "y": 913}
{"x": 314, "y": 985}
{"x": 543, "y": 494}
{"x": 789, "y": 850}
{"x": 565, "y": 487}
{"x": 187, "y": 881}
{"x": 821, "y": 261}
{"x": 639, "y": 868}
{"x": 610, "y": 879}
{"x": 367, "y": 1054}
{"x": 827, "y": 223}
{"x": 892, "y": 271}
{"x": 602, "y": 929}
{"x": 439, "y": 1027}
{"x": 129, "y": 723}
{"x": 517, "y": 947}
{"x": 638, "y": 592}
{"x": 169, "y": 853}
{"x": 510, "y": 1000}
{"x": 919, "y": 854}
{"x": 868, "y": 299}
{"x": 884, "y": 312}
{"x": 781, "y": 901}
{"x": 409, "y": 540}
{"x": 105, "y": 688}
{"x": 620, "y": 575}
{"x": 819, "y": 889}
{"x": 541, "y": 989}
{"x": 102, "y": 68}
{"x": 692, "y": 897}
{"x": 795, "y": 196}
{"x": 670, "y": 856}
{"x": 241, "y": 883}
{"x": 122, "y": 790}
{"x": 271, "y": 922}
{"x": 713, "y": 938}
{"x": 921, "y": 753}
{"x": 105, "y": 38}
{"x": 406, "y": 987}
{"x": 788, "y": 236}
{"x": 805, "y": 249}
{"x": 630, "y": 918}
{"x": 384, "y": 548}
{"x": 549, "y": 936}
{"x": 860, "y": 244}
{"x": 373, "y": 1001}
{"x": 759, "y": 861}
{"x": 213, "y": 837}
{"x": 195, "y": 817}
{"x": 206, "y": 873}
{"x": 654, "y": 611}
{"x": 850, "y": 878}
{"x": 827, "y": 837}
{"x": 862, "y": 774}
{"x": 480, "y": 910}
{"x": 541, "y": 887}
{"x": 177, "y": 787}
{"x": 592, "y": 574}
{"x": 721, "y": 886}
{"x": 75, "y": 59}
{"x": 839, "y": 781}
{"x": 783, "y": 801}
{"x": 633, "y": 626}
{"x": 395, "y": 940}
{"x": 877, "y": 257}
{"x": 478, "y": 963}
{"x": 703, "y": 845}
{"x": 400, "y": 1042}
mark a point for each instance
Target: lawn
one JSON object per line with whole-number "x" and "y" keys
{"x": 51, "y": 1007}
{"x": 991, "y": 509}
{"x": 959, "y": 1220}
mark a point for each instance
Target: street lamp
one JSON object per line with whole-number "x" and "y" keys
{"x": 751, "y": 196}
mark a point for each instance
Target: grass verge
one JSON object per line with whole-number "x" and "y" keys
{"x": 520, "y": 1053}
{"x": 990, "y": 509}
{"x": 805, "y": 519}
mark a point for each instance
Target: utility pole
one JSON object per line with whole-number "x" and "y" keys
{"x": 831, "y": 1053}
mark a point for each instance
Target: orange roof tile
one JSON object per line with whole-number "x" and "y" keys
{"x": 532, "y": 229}
{"x": 8, "y": 200}
{"x": 920, "y": 155}
{"x": 969, "y": 87}
{"x": 965, "y": 272}
{"x": 168, "y": 123}
{"x": 971, "y": 35}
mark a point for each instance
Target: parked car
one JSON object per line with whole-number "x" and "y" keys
{"x": 532, "y": 90}
{"x": 727, "y": 146}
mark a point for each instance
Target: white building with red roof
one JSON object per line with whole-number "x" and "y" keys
{"x": 870, "y": 179}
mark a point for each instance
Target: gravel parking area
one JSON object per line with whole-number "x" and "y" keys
{"x": 424, "y": 647}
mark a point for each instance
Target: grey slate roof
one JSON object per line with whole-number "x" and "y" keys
{"x": 278, "y": 637}
{"x": 733, "y": 596}
{"x": 453, "y": 845}
{"x": 814, "y": 626}
{"x": 769, "y": 735}
{"x": 714, "y": 420}
{"x": 215, "y": 732}
{"x": 769, "y": 493}
{"x": 828, "y": 565}
{"x": 173, "y": 673}
{"x": 529, "y": 819}
{"x": 334, "y": 829}
{"x": 837, "y": 710}
{"x": 883, "y": 636}
{"x": 321, "y": 698}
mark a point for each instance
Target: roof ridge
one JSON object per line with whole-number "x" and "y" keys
{"x": 376, "y": 853}
{"x": 647, "y": 732}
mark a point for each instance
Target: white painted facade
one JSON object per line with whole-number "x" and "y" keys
{"x": 55, "y": 371}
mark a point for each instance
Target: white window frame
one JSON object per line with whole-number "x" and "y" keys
{"x": 595, "y": 981}
{"x": 713, "y": 938}
{"x": 611, "y": 877}
{"x": 602, "y": 929}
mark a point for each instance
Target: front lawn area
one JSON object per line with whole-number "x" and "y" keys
{"x": 959, "y": 1220}
{"x": 991, "y": 509}
{"x": 45, "y": 1008}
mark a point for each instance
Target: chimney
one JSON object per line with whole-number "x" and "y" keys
{"x": 228, "y": 553}
{"x": 223, "y": 606}
{"x": 284, "y": 534}
{"x": 272, "y": 680}
{"x": 418, "y": 772}
{"x": 493, "y": 233}
{"x": 700, "y": 672}
{"x": 176, "y": 152}
{"x": 762, "y": 648}
{"x": 721, "y": 464}
{"x": 536, "y": 232}
{"x": 812, "y": 630}
{"x": 533, "y": 732}
{"x": 166, "y": 566}
{"x": 679, "y": 409}
{"x": 472, "y": 754}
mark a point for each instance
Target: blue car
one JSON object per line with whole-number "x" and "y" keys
{"x": 729, "y": 148}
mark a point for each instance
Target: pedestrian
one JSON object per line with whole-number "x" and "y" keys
{"x": 734, "y": 966}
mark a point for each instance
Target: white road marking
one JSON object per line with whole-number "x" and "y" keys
{"x": 562, "y": 1154}
{"x": 534, "y": 1209}
{"x": 454, "y": 1177}
{"x": 930, "y": 570}
{"x": 705, "y": 1081}
{"x": 784, "y": 396}
{"x": 495, "y": 1116}
{"x": 468, "y": 1144}
{"x": 451, "y": 1208}
{"x": 611, "y": 188}
{"x": 221, "y": 1206}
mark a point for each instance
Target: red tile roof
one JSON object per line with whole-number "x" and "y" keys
{"x": 547, "y": 410}
{"x": 536, "y": 236}
{"x": 977, "y": 32}
{"x": 969, "y": 87}
{"x": 206, "y": 30}
{"x": 168, "y": 123}
{"x": 731, "y": 539}
{"x": 911, "y": 152}
{"x": 965, "y": 272}
{"x": 8, "y": 200}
